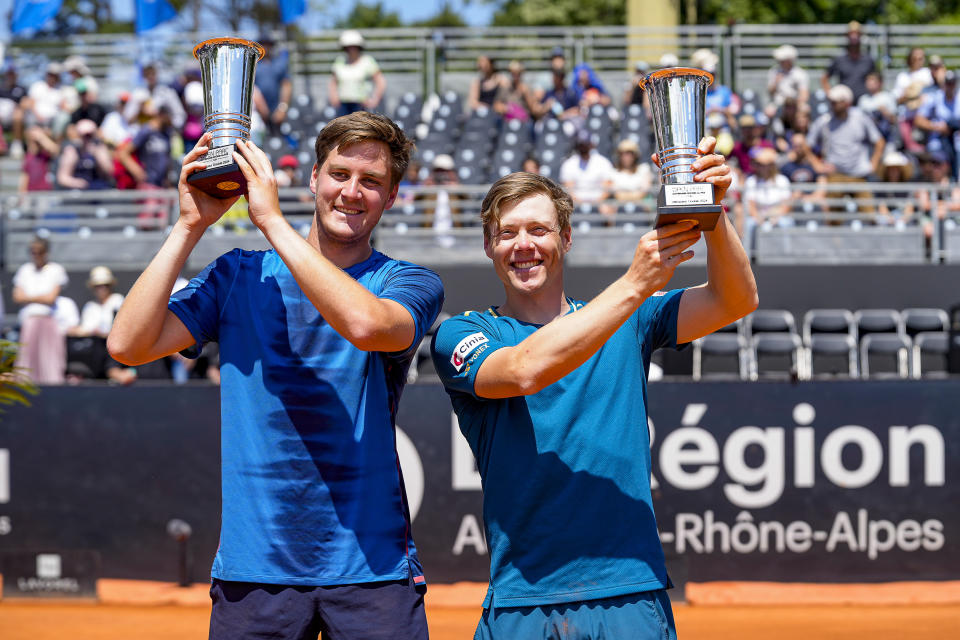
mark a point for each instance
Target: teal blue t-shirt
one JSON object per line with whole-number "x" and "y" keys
{"x": 566, "y": 471}
{"x": 312, "y": 491}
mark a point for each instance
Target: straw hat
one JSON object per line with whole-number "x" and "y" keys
{"x": 101, "y": 275}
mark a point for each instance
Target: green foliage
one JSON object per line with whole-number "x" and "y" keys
{"x": 369, "y": 16}
{"x": 15, "y": 386}
{"x": 826, "y": 11}
{"x": 447, "y": 17}
{"x": 564, "y": 13}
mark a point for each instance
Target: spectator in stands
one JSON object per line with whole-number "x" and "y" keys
{"x": 589, "y": 88}
{"x": 545, "y": 81}
{"x": 786, "y": 80}
{"x": 46, "y": 97}
{"x": 515, "y": 100}
{"x": 287, "y": 172}
{"x": 96, "y": 320}
{"x": 12, "y": 95}
{"x": 917, "y": 72}
{"x": 356, "y": 82}
{"x": 720, "y": 98}
{"x": 193, "y": 104}
{"x": 86, "y": 163}
{"x": 716, "y": 126}
{"x": 751, "y": 137}
{"x": 846, "y": 145}
{"x": 634, "y": 93}
{"x": 935, "y": 169}
{"x": 939, "y": 117}
{"x": 784, "y": 123}
{"x": 77, "y": 70}
{"x": 148, "y": 155}
{"x": 159, "y": 96}
{"x": 911, "y": 137}
{"x": 586, "y": 173}
{"x": 485, "y": 85}
{"x": 561, "y": 100}
{"x": 274, "y": 87}
{"x": 530, "y": 165}
{"x": 879, "y": 105}
{"x": 766, "y": 193}
{"x": 851, "y": 68}
{"x": 37, "y": 285}
{"x": 89, "y": 108}
{"x": 799, "y": 169}
{"x": 631, "y": 181}
{"x": 896, "y": 207}
{"x": 443, "y": 174}
{"x": 938, "y": 70}
{"x": 38, "y": 161}
{"x": 115, "y": 128}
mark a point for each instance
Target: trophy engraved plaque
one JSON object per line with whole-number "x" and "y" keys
{"x": 677, "y": 101}
{"x": 227, "y": 67}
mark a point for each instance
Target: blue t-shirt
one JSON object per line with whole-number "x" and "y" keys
{"x": 312, "y": 493}
{"x": 566, "y": 471}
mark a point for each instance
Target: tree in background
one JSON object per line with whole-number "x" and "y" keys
{"x": 369, "y": 16}
{"x": 821, "y": 11}
{"x": 560, "y": 13}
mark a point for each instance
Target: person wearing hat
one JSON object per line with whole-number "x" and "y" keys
{"x": 631, "y": 179}
{"x": 852, "y": 66}
{"x": 879, "y": 104}
{"x": 917, "y": 72}
{"x": 720, "y": 98}
{"x": 442, "y": 205}
{"x": 752, "y": 137}
{"x": 356, "y": 81}
{"x": 896, "y": 207}
{"x": 939, "y": 117}
{"x": 89, "y": 108}
{"x": 86, "y": 163}
{"x": 766, "y": 193}
{"x": 846, "y": 144}
{"x": 786, "y": 79}
{"x": 77, "y": 70}
{"x": 274, "y": 88}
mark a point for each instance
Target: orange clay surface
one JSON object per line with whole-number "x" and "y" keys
{"x": 151, "y": 611}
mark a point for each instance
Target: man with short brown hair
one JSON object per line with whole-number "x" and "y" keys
{"x": 315, "y": 338}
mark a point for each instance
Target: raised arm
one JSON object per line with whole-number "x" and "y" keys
{"x": 561, "y": 346}
{"x": 145, "y": 329}
{"x": 730, "y": 291}
{"x": 366, "y": 321}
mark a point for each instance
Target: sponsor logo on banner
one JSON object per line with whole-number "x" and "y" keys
{"x": 464, "y": 347}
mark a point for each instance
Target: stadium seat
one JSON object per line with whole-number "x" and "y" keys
{"x": 773, "y": 332}
{"x": 830, "y": 332}
{"x": 728, "y": 343}
{"x": 928, "y": 328}
{"x": 895, "y": 344}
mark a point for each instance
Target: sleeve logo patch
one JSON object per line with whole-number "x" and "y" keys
{"x": 464, "y": 347}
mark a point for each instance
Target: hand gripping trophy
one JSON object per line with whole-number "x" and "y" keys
{"x": 227, "y": 67}
{"x": 677, "y": 100}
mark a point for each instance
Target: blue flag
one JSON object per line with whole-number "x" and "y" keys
{"x": 150, "y": 13}
{"x": 32, "y": 14}
{"x": 290, "y": 10}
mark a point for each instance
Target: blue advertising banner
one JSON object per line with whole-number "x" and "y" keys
{"x": 32, "y": 14}
{"x": 150, "y": 13}
{"x": 811, "y": 482}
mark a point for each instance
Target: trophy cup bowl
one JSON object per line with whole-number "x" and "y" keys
{"x": 227, "y": 67}
{"x": 677, "y": 101}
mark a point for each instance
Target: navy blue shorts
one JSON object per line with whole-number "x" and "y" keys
{"x": 372, "y": 611}
{"x": 637, "y": 616}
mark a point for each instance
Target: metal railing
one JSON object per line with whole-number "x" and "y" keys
{"x": 428, "y": 60}
{"x": 859, "y": 223}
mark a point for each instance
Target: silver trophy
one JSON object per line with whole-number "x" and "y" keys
{"x": 227, "y": 67}
{"x": 677, "y": 101}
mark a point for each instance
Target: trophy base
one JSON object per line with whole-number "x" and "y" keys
{"x": 220, "y": 182}
{"x": 705, "y": 213}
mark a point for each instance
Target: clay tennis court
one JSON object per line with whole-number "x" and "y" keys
{"x": 183, "y": 614}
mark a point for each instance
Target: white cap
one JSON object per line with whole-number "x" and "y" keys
{"x": 101, "y": 275}
{"x": 840, "y": 93}
{"x": 785, "y": 52}
{"x": 705, "y": 59}
{"x": 193, "y": 94}
{"x": 351, "y": 38}
{"x": 443, "y": 161}
{"x": 668, "y": 60}
{"x": 76, "y": 63}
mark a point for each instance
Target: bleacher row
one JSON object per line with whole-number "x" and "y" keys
{"x": 866, "y": 343}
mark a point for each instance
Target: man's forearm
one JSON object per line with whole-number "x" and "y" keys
{"x": 140, "y": 320}
{"x": 729, "y": 276}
